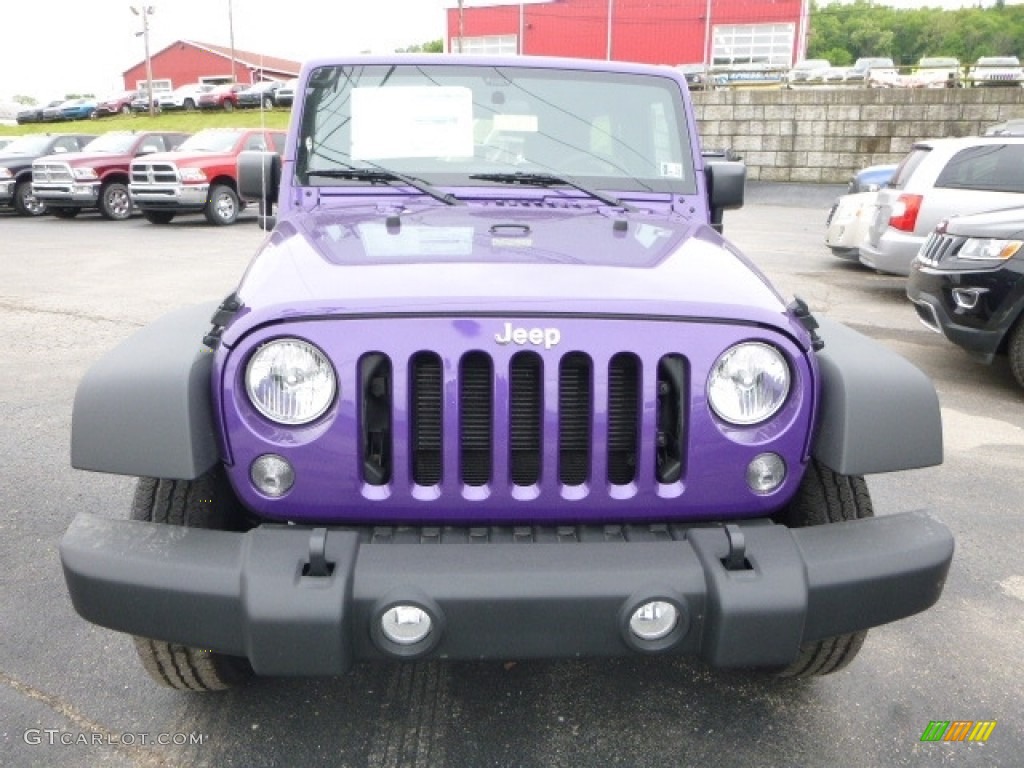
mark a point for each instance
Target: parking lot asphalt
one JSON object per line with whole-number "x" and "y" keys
{"x": 72, "y": 694}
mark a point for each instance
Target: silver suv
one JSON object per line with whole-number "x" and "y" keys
{"x": 940, "y": 178}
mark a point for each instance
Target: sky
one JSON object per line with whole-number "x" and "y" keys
{"x": 83, "y": 46}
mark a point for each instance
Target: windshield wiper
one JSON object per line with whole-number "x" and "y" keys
{"x": 379, "y": 173}
{"x": 548, "y": 180}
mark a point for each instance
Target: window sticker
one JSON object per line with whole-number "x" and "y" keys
{"x": 408, "y": 121}
{"x": 516, "y": 123}
{"x": 672, "y": 170}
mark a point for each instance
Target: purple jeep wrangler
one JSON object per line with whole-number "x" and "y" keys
{"x": 496, "y": 387}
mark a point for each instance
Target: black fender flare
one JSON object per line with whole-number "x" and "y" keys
{"x": 144, "y": 408}
{"x": 879, "y": 412}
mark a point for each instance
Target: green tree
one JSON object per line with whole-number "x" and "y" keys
{"x": 433, "y": 46}
{"x": 862, "y": 28}
{"x": 28, "y": 101}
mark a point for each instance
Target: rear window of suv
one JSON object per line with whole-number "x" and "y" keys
{"x": 992, "y": 167}
{"x": 907, "y": 165}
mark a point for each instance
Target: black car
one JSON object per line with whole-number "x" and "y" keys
{"x": 16, "y": 167}
{"x": 259, "y": 95}
{"x": 967, "y": 282}
{"x": 35, "y": 114}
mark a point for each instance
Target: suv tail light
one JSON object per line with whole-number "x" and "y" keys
{"x": 904, "y": 212}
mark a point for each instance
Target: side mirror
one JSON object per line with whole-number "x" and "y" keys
{"x": 259, "y": 178}
{"x": 726, "y": 180}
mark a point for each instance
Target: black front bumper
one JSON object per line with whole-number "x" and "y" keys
{"x": 501, "y": 593}
{"x": 981, "y": 329}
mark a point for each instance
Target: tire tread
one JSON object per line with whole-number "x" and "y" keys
{"x": 826, "y": 497}
{"x": 202, "y": 503}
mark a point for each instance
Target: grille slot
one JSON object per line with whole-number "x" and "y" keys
{"x": 376, "y": 428}
{"x": 475, "y": 422}
{"x": 623, "y": 410}
{"x": 574, "y": 409}
{"x": 426, "y": 400}
{"x": 526, "y": 408}
{"x": 669, "y": 437}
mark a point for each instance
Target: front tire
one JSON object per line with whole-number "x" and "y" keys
{"x": 1015, "y": 350}
{"x": 115, "y": 202}
{"x": 25, "y": 202}
{"x": 826, "y": 497}
{"x": 222, "y": 208}
{"x": 206, "y": 502}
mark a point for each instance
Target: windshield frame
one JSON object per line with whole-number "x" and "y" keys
{"x": 334, "y": 80}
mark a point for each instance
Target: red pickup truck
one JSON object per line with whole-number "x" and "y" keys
{"x": 201, "y": 176}
{"x": 98, "y": 176}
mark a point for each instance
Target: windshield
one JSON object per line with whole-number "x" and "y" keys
{"x": 998, "y": 61}
{"x": 27, "y": 145}
{"x": 114, "y": 143}
{"x": 445, "y": 123}
{"x": 210, "y": 141}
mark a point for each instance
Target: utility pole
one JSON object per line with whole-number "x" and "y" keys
{"x": 231, "y": 34}
{"x": 462, "y": 25}
{"x": 145, "y": 11}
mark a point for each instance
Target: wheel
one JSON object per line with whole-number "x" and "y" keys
{"x": 229, "y": 105}
{"x": 268, "y": 103}
{"x": 826, "y": 497}
{"x": 206, "y": 502}
{"x": 115, "y": 202}
{"x": 25, "y": 202}
{"x": 126, "y": 109}
{"x": 159, "y": 217}
{"x": 189, "y": 105}
{"x": 222, "y": 207}
{"x": 65, "y": 213}
{"x": 1016, "y": 351}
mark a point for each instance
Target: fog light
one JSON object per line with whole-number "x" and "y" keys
{"x": 654, "y": 620}
{"x": 272, "y": 475}
{"x": 967, "y": 298}
{"x": 766, "y": 473}
{"x": 405, "y": 624}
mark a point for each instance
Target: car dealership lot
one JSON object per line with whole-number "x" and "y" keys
{"x": 74, "y": 694}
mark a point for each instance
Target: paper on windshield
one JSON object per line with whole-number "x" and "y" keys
{"x": 407, "y": 121}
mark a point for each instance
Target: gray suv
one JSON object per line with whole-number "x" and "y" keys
{"x": 937, "y": 179}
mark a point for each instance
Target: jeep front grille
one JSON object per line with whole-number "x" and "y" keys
{"x": 938, "y": 247}
{"x": 154, "y": 173}
{"x": 499, "y": 418}
{"x": 51, "y": 173}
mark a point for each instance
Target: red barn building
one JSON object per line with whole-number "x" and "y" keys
{"x": 716, "y": 32}
{"x": 185, "y": 61}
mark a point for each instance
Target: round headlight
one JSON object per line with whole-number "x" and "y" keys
{"x": 748, "y": 383}
{"x": 290, "y": 381}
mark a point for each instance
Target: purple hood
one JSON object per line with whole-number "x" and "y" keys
{"x": 511, "y": 258}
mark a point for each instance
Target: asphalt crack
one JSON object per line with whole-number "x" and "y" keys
{"x": 143, "y": 757}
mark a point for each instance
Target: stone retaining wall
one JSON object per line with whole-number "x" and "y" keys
{"x": 825, "y": 135}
